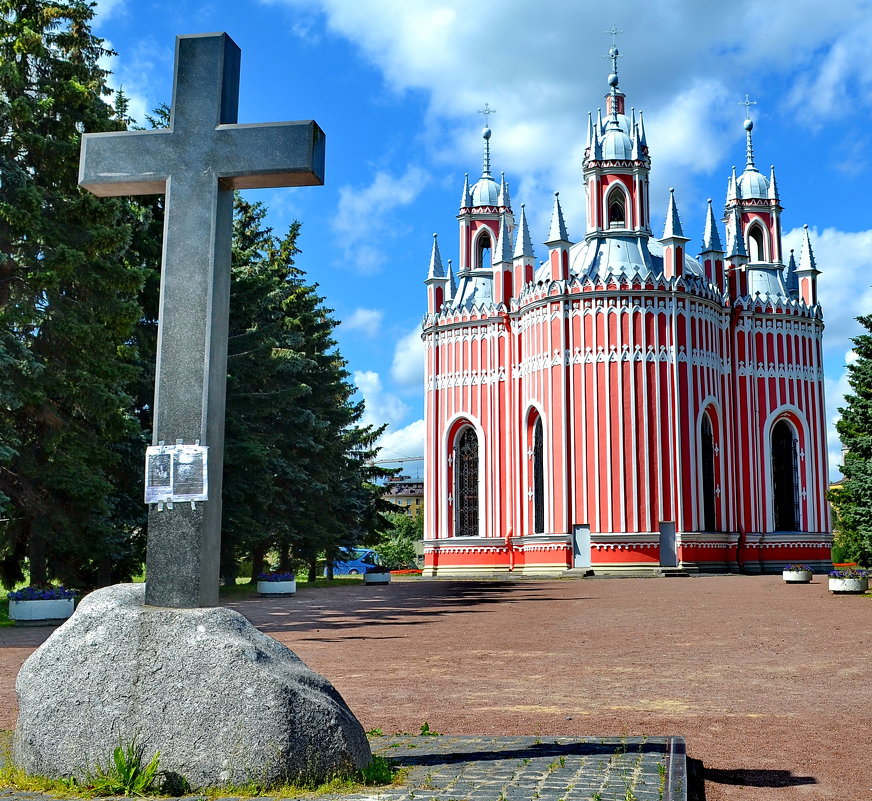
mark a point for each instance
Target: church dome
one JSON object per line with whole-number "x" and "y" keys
{"x": 617, "y": 145}
{"x": 753, "y": 184}
{"x": 485, "y": 192}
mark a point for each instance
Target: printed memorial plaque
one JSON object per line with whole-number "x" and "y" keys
{"x": 176, "y": 473}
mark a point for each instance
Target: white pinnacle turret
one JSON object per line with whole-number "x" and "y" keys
{"x": 523, "y": 243}
{"x": 711, "y": 239}
{"x": 436, "y": 270}
{"x": 503, "y": 250}
{"x": 672, "y": 228}
{"x": 558, "y": 226}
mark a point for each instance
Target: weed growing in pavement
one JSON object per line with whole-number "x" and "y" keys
{"x": 426, "y": 731}
{"x": 375, "y": 733}
{"x": 661, "y": 769}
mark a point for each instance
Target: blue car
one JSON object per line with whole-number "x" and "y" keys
{"x": 357, "y": 561}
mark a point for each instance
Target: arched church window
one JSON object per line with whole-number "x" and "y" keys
{"x": 756, "y": 244}
{"x": 617, "y": 210}
{"x": 484, "y": 251}
{"x": 538, "y": 478}
{"x": 466, "y": 484}
{"x": 785, "y": 477}
{"x": 708, "y": 474}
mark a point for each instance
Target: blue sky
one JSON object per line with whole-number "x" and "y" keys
{"x": 397, "y": 84}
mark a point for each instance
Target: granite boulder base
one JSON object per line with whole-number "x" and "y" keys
{"x": 222, "y": 702}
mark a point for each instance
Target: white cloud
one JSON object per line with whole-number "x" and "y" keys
{"x": 363, "y": 218}
{"x": 843, "y": 285}
{"x": 835, "y": 389}
{"x": 135, "y": 75}
{"x": 105, "y": 9}
{"x": 380, "y": 406}
{"x": 407, "y": 368}
{"x": 367, "y": 321}
{"x": 538, "y": 65}
{"x": 406, "y": 441}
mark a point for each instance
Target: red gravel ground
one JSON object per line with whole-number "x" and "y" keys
{"x": 771, "y": 684}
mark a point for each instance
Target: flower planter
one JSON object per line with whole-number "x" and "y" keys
{"x": 376, "y": 578}
{"x": 41, "y": 613}
{"x": 849, "y": 585}
{"x": 796, "y": 576}
{"x": 276, "y": 587}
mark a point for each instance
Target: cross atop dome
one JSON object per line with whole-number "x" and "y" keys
{"x": 749, "y": 126}
{"x": 486, "y": 135}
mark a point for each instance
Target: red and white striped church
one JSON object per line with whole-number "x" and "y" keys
{"x": 623, "y": 405}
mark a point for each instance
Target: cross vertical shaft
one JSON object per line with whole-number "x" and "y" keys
{"x": 197, "y": 162}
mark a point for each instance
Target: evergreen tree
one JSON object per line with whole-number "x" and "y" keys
{"x": 852, "y": 502}
{"x": 297, "y": 474}
{"x": 69, "y": 303}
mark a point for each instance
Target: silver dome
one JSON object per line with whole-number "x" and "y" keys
{"x": 753, "y": 184}
{"x": 616, "y": 145}
{"x": 485, "y": 192}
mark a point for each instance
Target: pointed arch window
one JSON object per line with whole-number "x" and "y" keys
{"x": 709, "y": 498}
{"x": 538, "y": 478}
{"x": 466, "y": 484}
{"x": 785, "y": 477}
{"x": 617, "y": 207}
{"x": 756, "y": 244}
{"x": 483, "y": 252}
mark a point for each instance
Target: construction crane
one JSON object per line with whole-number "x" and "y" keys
{"x": 400, "y": 459}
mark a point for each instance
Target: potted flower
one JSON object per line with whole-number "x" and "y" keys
{"x": 796, "y": 574}
{"x": 41, "y": 605}
{"x": 848, "y": 580}
{"x": 377, "y": 574}
{"x": 276, "y": 582}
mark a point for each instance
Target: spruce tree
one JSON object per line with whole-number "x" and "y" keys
{"x": 68, "y": 307}
{"x": 298, "y": 477}
{"x": 852, "y": 502}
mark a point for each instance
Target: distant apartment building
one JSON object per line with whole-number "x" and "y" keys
{"x": 406, "y": 493}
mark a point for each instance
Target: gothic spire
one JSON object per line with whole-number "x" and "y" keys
{"x": 806, "y": 258}
{"x": 711, "y": 239}
{"x": 503, "y": 198}
{"x": 737, "y": 241}
{"x": 792, "y": 278}
{"x": 452, "y": 282}
{"x": 523, "y": 243}
{"x": 672, "y": 228}
{"x": 558, "y": 226}
{"x": 436, "y": 270}
{"x": 465, "y": 197}
{"x": 503, "y": 250}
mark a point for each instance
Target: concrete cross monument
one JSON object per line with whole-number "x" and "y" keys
{"x": 164, "y": 666}
{"x": 197, "y": 162}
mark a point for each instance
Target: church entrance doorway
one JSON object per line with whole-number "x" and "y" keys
{"x": 785, "y": 477}
{"x": 581, "y": 546}
{"x": 668, "y": 549}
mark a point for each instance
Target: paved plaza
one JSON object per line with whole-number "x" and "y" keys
{"x": 769, "y": 684}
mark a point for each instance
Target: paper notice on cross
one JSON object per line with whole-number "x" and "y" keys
{"x": 176, "y": 473}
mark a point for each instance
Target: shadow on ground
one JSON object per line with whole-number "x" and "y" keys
{"x": 397, "y": 604}
{"x": 757, "y": 778}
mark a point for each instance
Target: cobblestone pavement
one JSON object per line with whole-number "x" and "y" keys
{"x": 527, "y": 768}
{"x": 445, "y": 768}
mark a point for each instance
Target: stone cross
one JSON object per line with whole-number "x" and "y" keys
{"x": 197, "y": 163}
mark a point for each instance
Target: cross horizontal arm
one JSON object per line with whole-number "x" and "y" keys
{"x": 265, "y": 155}
{"x": 126, "y": 162}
